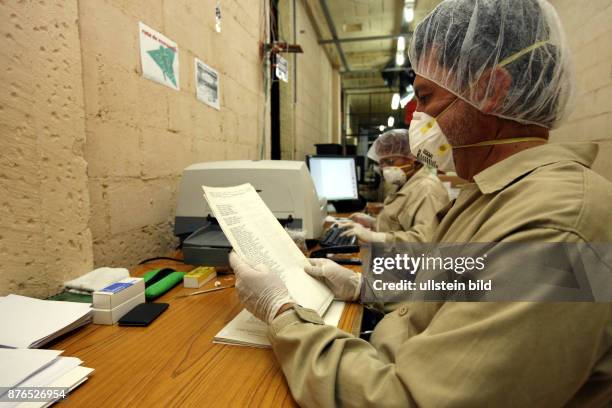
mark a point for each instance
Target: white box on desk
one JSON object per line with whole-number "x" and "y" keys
{"x": 117, "y": 293}
{"x": 111, "y": 316}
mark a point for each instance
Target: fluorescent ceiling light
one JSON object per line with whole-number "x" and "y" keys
{"x": 409, "y": 13}
{"x": 390, "y": 121}
{"x": 401, "y": 44}
{"x": 400, "y": 59}
{"x": 395, "y": 101}
{"x": 381, "y": 128}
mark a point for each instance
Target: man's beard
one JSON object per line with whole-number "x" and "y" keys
{"x": 458, "y": 124}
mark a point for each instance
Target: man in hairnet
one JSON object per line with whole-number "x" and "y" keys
{"x": 409, "y": 214}
{"x": 492, "y": 78}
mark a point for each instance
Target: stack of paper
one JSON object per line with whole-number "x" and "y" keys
{"x": 21, "y": 368}
{"x": 246, "y": 330}
{"x": 30, "y": 323}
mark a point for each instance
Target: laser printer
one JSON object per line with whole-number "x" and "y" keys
{"x": 285, "y": 186}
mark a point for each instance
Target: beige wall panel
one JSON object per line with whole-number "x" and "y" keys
{"x": 589, "y": 29}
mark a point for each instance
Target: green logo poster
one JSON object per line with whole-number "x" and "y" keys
{"x": 158, "y": 57}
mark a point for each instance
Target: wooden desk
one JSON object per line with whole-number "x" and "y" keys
{"x": 173, "y": 362}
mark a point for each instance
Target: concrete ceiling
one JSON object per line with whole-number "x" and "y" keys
{"x": 362, "y": 83}
{"x": 364, "y": 18}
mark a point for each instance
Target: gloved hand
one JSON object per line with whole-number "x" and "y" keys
{"x": 261, "y": 291}
{"x": 363, "y": 219}
{"x": 344, "y": 283}
{"x": 364, "y": 234}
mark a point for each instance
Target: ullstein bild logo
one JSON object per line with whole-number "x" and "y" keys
{"x": 432, "y": 285}
{"x": 540, "y": 272}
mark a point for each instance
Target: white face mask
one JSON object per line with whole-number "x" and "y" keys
{"x": 394, "y": 175}
{"x": 429, "y": 144}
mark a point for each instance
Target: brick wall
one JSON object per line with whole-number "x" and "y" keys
{"x": 141, "y": 135}
{"x": 589, "y": 30}
{"x": 44, "y": 202}
{"x": 92, "y": 153}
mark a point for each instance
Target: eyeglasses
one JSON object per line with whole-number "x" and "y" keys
{"x": 397, "y": 161}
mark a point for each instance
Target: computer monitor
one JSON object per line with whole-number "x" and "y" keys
{"x": 335, "y": 177}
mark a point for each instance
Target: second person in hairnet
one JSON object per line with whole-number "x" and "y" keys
{"x": 409, "y": 214}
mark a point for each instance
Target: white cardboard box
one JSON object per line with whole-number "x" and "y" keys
{"x": 117, "y": 293}
{"x": 111, "y": 316}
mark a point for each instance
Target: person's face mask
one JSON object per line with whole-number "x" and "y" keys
{"x": 394, "y": 175}
{"x": 428, "y": 142}
{"x": 431, "y": 146}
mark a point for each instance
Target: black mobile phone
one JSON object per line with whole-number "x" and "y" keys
{"x": 143, "y": 314}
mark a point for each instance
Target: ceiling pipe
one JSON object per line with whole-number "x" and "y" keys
{"x": 315, "y": 25}
{"x": 374, "y": 70}
{"x": 360, "y": 39}
{"x": 357, "y": 92}
{"x": 361, "y": 88}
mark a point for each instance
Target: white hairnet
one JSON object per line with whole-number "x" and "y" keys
{"x": 391, "y": 143}
{"x": 461, "y": 41}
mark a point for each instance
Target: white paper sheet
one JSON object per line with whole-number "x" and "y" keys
{"x": 57, "y": 369}
{"x": 70, "y": 380}
{"x": 282, "y": 68}
{"x": 207, "y": 84}
{"x": 246, "y": 330}
{"x": 27, "y": 322}
{"x": 18, "y": 364}
{"x": 258, "y": 237}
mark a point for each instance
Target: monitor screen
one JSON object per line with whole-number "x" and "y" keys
{"x": 334, "y": 177}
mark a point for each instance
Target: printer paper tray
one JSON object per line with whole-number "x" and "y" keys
{"x": 207, "y": 246}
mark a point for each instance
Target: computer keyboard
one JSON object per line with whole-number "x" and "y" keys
{"x": 332, "y": 238}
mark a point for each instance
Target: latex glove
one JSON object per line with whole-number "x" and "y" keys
{"x": 344, "y": 283}
{"x": 261, "y": 291}
{"x": 363, "y": 219}
{"x": 364, "y": 234}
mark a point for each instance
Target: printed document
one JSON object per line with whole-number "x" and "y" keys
{"x": 258, "y": 237}
{"x": 246, "y": 330}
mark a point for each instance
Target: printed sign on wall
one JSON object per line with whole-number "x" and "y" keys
{"x": 158, "y": 57}
{"x": 282, "y": 68}
{"x": 207, "y": 84}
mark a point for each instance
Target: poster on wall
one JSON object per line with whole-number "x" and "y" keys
{"x": 282, "y": 68}
{"x": 158, "y": 57}
{"x": 207, "y": 84}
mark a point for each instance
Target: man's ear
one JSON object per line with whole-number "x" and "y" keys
{"x": 492, "y": 88}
